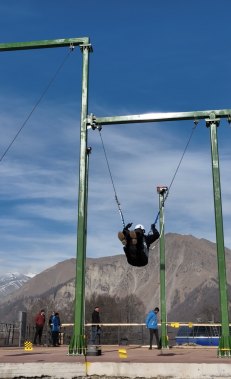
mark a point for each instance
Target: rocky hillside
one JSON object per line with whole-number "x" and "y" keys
{"x": 11, "y": 282}
{"x": 191, "y": 280}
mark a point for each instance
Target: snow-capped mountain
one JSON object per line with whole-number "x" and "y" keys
{"x": 11, "y": 282}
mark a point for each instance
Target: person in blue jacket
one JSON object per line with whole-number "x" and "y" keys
{"x": 151, "y": 324}
{"x": 55, "y": 329}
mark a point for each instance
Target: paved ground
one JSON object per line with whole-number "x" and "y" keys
{"x": 110, "y": 354}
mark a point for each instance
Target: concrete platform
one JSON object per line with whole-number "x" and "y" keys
{"x": 50, "y": 362}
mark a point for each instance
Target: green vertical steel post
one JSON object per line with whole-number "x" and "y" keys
{"x": 163, "y": 339}
{"x": 85, "y": 246}
{"x": 77, "y": 343}
{"x": 224, "y": 349}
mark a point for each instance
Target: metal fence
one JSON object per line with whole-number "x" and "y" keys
{"x": 118, "y": 334}
{"x": 9, "y": 334}
{"x": 111, "y": 334}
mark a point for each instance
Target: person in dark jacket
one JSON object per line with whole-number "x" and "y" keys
{"x": 40, "y": 322}
{"x": 136, "y": 243}
{"x": 55, "y": 329}
{"x": 50, "y": 329}
{"x": 95, "y": 328}
{"x": 151, "y": 324}
{"x": 51, "y": 318}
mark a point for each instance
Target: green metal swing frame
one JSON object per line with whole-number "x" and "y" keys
{"x": 212, "y": 117}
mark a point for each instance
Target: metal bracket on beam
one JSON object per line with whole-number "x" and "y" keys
{"x": 210, "y": 121}
{"x": 229, "y": 120}
{"x": 88, "y": 47}
{"x": 91, "y": 122}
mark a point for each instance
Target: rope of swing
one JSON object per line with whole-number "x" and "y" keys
{"x": 3, "y": 155}
{"x": 167, "y": 193}
{"x": 193, "y": 129}
{"x": 116, "y": 198}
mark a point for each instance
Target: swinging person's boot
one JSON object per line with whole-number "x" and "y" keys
{"x": 133, "y": 237}
{"x": 122, "y": 238}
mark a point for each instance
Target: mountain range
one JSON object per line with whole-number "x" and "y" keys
{"x": 11, "y": 282}
{"x": 191, "y": 281}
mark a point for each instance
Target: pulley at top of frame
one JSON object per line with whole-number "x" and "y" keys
{"x": 161, "y": 190}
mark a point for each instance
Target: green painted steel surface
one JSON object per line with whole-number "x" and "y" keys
{"x": 43, "y": 44}
{"x": 225, "y": 340}
{"x": 157, "y": 117}
{"x": 163, "y": 339}
{"x": 85, "y": 246}
{"x": 77, "y": 342}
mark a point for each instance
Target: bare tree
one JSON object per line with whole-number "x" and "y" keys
{"x": 211, "y": 313}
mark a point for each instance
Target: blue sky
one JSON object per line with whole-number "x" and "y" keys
{"x": 148, "y": 56}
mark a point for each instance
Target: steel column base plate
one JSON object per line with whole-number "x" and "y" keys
{"x": 164, "y": 344}
{"x": 224, "y": 349}
{"x": 77, "y": 345}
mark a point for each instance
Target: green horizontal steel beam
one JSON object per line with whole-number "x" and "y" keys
{"x": 43, "y": 44}
{"x": 157, "y": 117}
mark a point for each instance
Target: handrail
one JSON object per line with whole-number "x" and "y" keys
{"x": 167, "y": 323}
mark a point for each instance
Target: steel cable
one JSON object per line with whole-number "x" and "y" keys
{"x": 196, "y": 122}
{"x": 116, "y": 198}
{"x": 167, "y": 193}
{"x": 71, "y": 49}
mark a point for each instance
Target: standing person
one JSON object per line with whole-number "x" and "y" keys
{"x": 50, "y": 319}
{"x": 40, "y": 322}
{"x": 95, "y": 328}
{"x": 151, "y": 324}
{"x": 58, "y": 317}
{"x": 50, "y": 329}
{"x": 55, "y": 329}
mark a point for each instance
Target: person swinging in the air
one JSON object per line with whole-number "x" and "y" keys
{"x": 136, "y": 243}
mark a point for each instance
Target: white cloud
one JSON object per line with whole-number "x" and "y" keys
{"x": 39, "y": 187}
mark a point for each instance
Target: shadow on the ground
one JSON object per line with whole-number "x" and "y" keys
{"x": 22, "y": 355}
{"x": 167, "y": 355}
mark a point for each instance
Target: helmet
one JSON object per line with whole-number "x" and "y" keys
{"x": 139, "y": 226}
